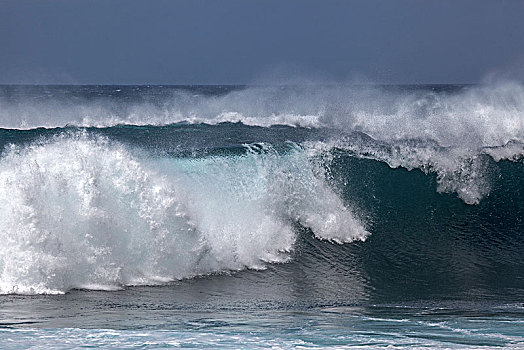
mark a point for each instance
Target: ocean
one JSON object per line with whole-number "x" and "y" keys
{"x": 311, "y": 216}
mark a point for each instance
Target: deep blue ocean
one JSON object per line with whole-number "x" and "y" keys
{"x": 316, "y": 216}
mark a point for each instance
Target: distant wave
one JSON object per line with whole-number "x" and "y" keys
{"x": 449, "y": 115}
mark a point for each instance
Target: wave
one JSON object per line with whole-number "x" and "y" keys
{"x": 450, "y": 115}
{"x": 81, "y": 211}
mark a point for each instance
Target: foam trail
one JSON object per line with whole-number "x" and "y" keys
{"x": 83, "y": 212}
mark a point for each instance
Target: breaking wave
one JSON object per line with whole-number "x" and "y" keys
{"x": 81, "y": 211}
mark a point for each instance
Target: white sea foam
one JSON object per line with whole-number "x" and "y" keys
{"x": 370, "y": 334}
{"x": 83, "y": 212}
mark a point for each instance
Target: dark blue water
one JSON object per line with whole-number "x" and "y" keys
{"x": 314, "y": 216}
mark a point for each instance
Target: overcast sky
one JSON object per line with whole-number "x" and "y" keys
{"x": 247, "y": 41}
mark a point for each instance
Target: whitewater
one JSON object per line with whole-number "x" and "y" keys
{"x": 317, "y": 216}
